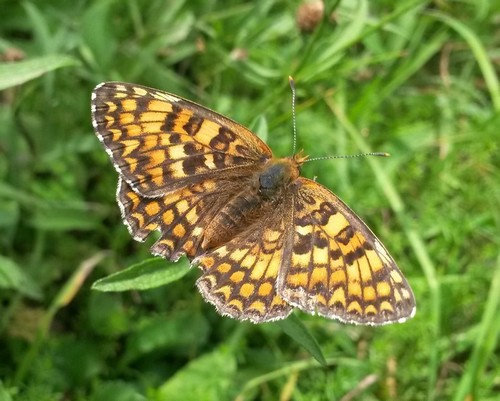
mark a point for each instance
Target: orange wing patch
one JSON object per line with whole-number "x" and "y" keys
{"x": 159, "y": 142}
{"x": 337, "y": 267}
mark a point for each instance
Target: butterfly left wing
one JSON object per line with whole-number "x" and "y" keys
{"x": 240, "y": 277}
{"x": 181, "y": 216}
{"x": 159, "y": 142}
{"x": 336, "y": 267}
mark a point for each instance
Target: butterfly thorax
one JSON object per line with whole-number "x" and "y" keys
{"x": 276, "y": 175}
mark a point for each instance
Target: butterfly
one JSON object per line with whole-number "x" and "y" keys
{"x": 265, "y": 238}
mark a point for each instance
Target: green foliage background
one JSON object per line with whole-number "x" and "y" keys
{"x": 414, "y": 78}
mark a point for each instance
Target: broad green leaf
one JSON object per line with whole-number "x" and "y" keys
{"x": 17, "y": 73}
{"x": 12, "y": 277}
{"x": 150, "y": 273}
{"x": 294, "y": 327}
{"x": 207, "y": 378}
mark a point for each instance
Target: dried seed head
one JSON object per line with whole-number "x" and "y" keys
{"x": 12, "y": 54}
{"x": 309, "y": 15}
{"x": 238, "y": 54}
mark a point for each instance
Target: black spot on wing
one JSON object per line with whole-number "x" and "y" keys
{"x": 353, "y": 255}
{"x": 192, "y": 163}
{"x": 193, "y": 125}
{"x": 223, "y": 139}
{"x": 169, "y": 122}
{"x": 302, "y": 244}
{"x": 345, "y": 235}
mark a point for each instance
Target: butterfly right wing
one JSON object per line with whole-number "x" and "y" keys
{"x": 336, "y": 267}
{"x": 159, "y": 142}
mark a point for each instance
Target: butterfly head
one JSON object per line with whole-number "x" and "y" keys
{"x": 299, "y": 158}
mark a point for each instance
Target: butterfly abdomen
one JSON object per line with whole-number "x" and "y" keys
{"x": 234, "y": 217}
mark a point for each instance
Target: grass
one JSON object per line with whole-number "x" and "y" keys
{"x": 415, "y": 78}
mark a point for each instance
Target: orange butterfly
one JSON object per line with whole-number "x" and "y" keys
{"x": 265, "y": 238}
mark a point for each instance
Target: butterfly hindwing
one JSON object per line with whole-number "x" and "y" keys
{"x": 240, "y": 277}
{"x": 181, "y": 216}
{"x": 337, "y": 267}
{"x": 159, "y": 142}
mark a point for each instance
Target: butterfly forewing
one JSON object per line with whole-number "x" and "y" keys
{"x": 159, "y": 142}
{"x": 337, "y": 267}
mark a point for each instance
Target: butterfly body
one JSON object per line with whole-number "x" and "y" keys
{"x": 265, "y": 238}
{"x": 258, "y": 194}
{"x": 237, "y": 214}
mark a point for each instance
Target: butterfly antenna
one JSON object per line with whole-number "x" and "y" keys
{"x": 292, "y": 87}
{"x": 381, "y": 154}
{"x": 294, "y": 123}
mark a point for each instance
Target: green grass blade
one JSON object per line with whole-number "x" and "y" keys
{"x": 380, "y": 89}
{"x": 40, "y": 27}
{"x": 97, "y": 32}
{"x": 479, "y": 52}
{"x": 12, "y": 74}
{"x": 294, "y": 327}
{"x": 296, "y": 366}
{"x": 62, "y": 299}
{"x": 144, "y": 275}
{"x": 64, "y": 219}
{"x": 329, "y": 55}
{"x": 485, "y": 343}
